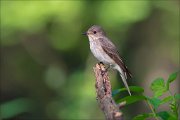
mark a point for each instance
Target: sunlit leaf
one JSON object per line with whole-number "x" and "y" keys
{"x": 155, "y": 102}
{"x": 158, "y": 87}
{"x": 132, "y": 89}
{"x": 132, "y": 99}
{"x": 143, "y": 116}
{"x": 174, "y": 107}
{"x": 166, "y": 99}
{"x": 171, "y": 78}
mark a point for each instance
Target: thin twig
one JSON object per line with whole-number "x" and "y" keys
{"x": 152, "y": 109}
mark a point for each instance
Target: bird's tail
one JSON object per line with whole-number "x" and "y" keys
{"x": 124, "y": 77}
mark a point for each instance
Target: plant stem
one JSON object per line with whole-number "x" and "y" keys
{"x": 171, "y": 94}
{"x": 152, "y": 109}
{"x": 175, "y": 103}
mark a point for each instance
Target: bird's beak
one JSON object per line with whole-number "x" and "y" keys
{"x": 85, "y": 33}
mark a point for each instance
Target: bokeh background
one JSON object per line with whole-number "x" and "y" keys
{"x": 46, "y": 64}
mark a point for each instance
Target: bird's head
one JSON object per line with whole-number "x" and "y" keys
{"x": 95, "y": 32}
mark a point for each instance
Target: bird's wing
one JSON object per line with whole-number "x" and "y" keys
{"x": 111, "y": 50}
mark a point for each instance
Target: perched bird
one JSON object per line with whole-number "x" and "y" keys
{"x": 105, "y": 51}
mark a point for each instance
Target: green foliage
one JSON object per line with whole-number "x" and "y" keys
{"x": 164, "y": 115}
{"x": 132, "y": 89}
{"x": 14, "y": 107}
{"x": 154, "y": 101}
{"x": 130, "y": 14}
{"x": 171, "y": 78}
{"x": 177, "y": 96}
{"x": 159, "y": 87}
{"x": 166, "y": 99}
{"x": 131, "y": 99}
{"x": 143, "y": 116}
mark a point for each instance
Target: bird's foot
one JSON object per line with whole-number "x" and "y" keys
{"x": 103, "y": 69}
{"x": 101, "y": 63}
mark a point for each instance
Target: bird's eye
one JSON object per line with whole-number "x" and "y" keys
{"x": 94, "y": 32}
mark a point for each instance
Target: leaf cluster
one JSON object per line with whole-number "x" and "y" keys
{"x": 159, "y": 87}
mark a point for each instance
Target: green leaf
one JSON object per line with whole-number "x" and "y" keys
{"x": 171, "y": 78}
{"x": 132, "y": 99}
{"x": 166, "y": 115}
{"x": 15, "y": 107}
{"x": 166, "y": 99}
{"x": 132, "y": 88}
{"x": 143, "y": 116}
{"x": 158, "y": 87}
{"x": 155, "y": 102}
{"x": 174, "y": 107}
{"x": 177, "y": 96}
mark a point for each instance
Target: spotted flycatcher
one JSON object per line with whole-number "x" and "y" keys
{"x": 105, "y": 51}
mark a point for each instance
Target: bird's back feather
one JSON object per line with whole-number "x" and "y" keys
{"x": 111, "y": 50}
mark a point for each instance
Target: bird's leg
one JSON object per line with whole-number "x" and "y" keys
{"x": 109, "y": 66}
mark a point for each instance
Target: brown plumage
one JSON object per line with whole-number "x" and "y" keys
{"x": 105, "y": 51}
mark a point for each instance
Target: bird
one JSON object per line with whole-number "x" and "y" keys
{"x": 106, "y": 52}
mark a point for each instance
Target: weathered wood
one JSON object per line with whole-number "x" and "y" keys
{"x": 104, "y": 97}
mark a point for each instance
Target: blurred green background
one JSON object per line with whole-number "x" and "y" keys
{"x": 46, "y": 64}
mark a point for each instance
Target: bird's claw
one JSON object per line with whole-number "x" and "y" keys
{"x": 101, "y": 63}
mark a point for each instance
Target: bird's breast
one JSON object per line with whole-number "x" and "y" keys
{"x": 99, "y": 53}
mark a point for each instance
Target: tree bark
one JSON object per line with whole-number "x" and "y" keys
{"x": 104, "y": 95}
